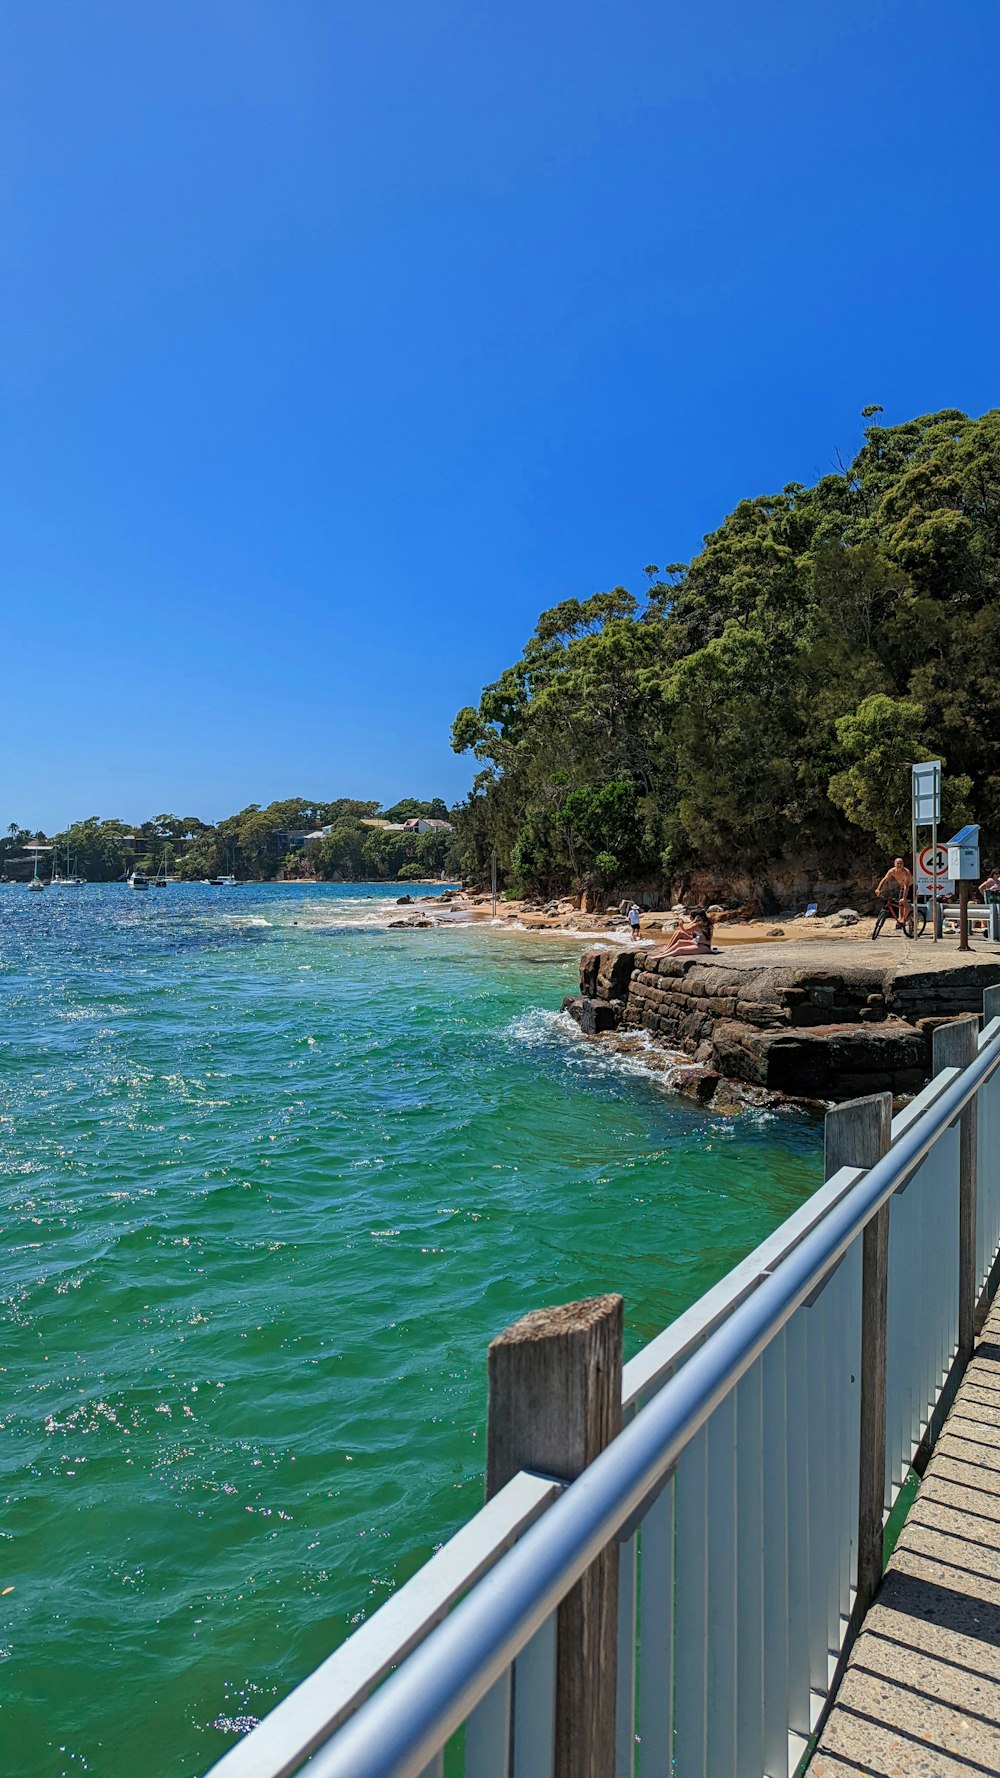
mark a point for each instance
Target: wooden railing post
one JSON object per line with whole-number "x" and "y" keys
{"x": 555, "y": 1382}
{"x": 857, "y": 1135}
{"x": 955, "y": 1047}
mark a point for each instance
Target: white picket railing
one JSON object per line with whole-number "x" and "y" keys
{"x": 735, "y": 1490}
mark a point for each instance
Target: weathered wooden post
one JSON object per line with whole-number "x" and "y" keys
{"x": 555, "y": 1382}
{"x": 963, "y": 918}
{"x": 857, "y": 1135}
{"x": 955, "y": 1047}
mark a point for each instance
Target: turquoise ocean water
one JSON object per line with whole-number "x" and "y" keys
{"x": 271, "y": 1177}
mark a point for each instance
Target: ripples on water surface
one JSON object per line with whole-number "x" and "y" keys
{"x": 271, "y": 1177}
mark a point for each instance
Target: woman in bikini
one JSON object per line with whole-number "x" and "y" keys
{"x": 693, "y": 936}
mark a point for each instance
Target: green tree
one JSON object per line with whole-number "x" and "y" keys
{"x": 751, "y": 699}
{"x": 880, "y": 739}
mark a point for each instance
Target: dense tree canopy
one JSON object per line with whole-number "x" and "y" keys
{"x": 764, "y": 700}
{"x": 258, "y": 844}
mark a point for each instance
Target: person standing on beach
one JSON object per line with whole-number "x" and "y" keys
{"x": 633, "y": 919}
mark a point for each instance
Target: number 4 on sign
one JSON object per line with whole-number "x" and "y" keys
{"x": 930, "y": 857}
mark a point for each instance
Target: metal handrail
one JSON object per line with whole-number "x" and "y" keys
{"x": 397, "y": 1731}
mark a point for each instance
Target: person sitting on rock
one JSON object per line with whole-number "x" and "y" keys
{"x": 693, "y": 936}
{"x": 900, "y": 878}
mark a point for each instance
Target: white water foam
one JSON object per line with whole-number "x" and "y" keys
{"x": 539, "y": 1029}
{"x": 645, "y": 1059}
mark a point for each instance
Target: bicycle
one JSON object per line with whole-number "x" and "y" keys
{"x": 890, "y": 909}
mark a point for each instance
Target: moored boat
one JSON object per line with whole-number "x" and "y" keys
{"x": 69, "y": 880}
{"x": 37, "y": 882}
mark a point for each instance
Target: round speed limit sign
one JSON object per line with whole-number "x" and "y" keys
{"x": 926, "y": 861}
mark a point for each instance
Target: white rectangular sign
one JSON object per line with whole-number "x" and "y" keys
{"x": 927, "y": 792}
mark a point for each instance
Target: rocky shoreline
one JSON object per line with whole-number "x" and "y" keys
{"x": 582, "y": 915}
{"x": 817, "y": 1030}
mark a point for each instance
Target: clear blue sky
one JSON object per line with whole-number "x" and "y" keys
{"x": 341, "y": 337}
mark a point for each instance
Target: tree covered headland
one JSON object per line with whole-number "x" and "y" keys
{"x": 759, "y": 705}
{"x": 257, "y": 844}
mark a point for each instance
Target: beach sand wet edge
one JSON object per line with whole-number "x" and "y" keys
{"x": 564, "y": 918}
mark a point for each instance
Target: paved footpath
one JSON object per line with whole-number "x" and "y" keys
{"x": 921, "y": 1695}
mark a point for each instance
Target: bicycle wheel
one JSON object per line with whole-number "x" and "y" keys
{"x": 921, "y": 922}
{"x": 880, "y": 920}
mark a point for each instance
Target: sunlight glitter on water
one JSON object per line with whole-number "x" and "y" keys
{"x": 307, "y": 1167}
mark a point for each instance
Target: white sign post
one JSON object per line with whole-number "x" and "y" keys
{"x": 926, "y": 812}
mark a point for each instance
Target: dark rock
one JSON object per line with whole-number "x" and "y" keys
{"x": 893, "y": 1046}
{"x": 610, "y": 980}
{"x": 727, "y": 1097}
{"x": 909, "y": 1080}
{"x": 695, "y": 1082}
{"x": 599, "y": 1015}
{"x": 809, "y": 1015}
{"x": 856, "y": 1086}
{"x": 404, "y": 901}
{"x": 590, "y": 963}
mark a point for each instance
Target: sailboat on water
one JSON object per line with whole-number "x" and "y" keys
{"x": 136, "y": 879}
{"x": 37, "y": 882}
{"x": 225, "y": 879}
{"x": 70, "y": 880}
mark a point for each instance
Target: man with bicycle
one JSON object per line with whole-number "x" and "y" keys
{"x": 901, "y": 877}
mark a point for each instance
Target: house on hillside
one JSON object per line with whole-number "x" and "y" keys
{"x": 418, "y": 824}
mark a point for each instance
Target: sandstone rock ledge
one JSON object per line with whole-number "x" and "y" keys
{"x": 815, "y": 1030}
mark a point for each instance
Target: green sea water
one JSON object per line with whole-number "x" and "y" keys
{"x": 271, "y": 1177}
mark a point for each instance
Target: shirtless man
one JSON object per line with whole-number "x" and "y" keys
{"x": 900, "y": 878}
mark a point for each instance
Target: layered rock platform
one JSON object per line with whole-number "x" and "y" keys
{"x": 813, "y": 1026}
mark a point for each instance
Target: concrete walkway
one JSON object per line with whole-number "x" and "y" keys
{"x": 921, "y": 1695}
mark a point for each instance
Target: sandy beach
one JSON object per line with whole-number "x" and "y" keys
{"x": 565, "y": 918}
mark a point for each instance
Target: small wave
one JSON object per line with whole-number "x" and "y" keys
{"x": 643, "y": 1059}
{"x": 635, "y": 1055}
{"x": 539, "y": 1027}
